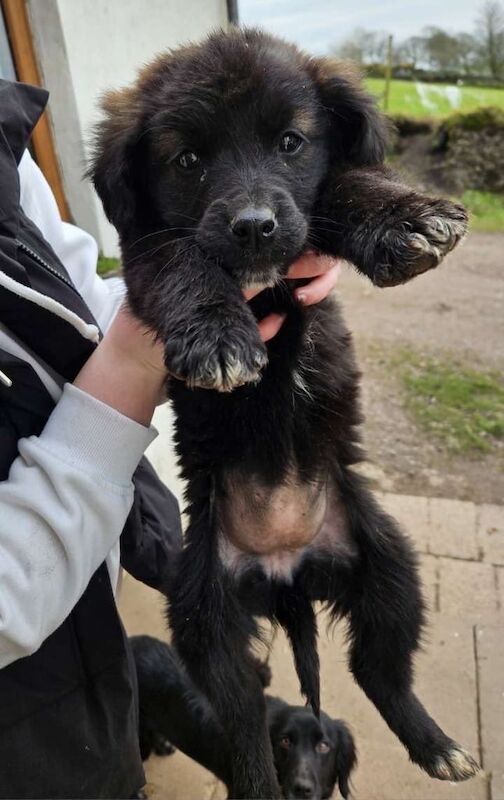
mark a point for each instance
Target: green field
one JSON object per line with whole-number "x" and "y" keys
{"x": 418, "y": 99}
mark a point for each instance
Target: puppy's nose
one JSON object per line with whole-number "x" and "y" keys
{"x": 254, "y": 227}
{"x": 303, "y": 789}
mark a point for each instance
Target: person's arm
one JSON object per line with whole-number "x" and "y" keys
{"x": 69, "y": 491}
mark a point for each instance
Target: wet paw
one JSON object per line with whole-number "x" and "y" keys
{"x": 455, "y": 764}
{"x": 221, "y": 359}
{"x": 416, "y": 245}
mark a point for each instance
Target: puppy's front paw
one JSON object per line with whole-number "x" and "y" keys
{"x": 420, "y": 242}
{"x": 220, "y": 357}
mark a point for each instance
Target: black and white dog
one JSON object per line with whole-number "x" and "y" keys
{"x": 311, "y": 755}
{"x": 221, "y": 164}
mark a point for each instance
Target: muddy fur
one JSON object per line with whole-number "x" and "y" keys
{"x": 285, "y": 153}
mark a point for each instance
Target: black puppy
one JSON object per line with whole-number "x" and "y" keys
{"x": 219, "y": 166}
{"x": 311, "y": 755}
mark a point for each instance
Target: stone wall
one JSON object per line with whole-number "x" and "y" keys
{"x": 465, "y": 151}
{"x": 474, "y": 159}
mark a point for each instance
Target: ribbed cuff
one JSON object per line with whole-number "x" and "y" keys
{"x": 95, "y": 437}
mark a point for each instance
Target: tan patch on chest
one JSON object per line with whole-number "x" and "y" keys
{"x": 275, "y": 528}
{"x": 262, "y": 520}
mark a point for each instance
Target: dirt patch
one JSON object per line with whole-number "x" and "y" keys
{"x": 454, "y": 312}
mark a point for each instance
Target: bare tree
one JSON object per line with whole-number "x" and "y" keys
{"x": 412, "y": 51}
{"x": 442, "y": 50}
{"x": 364, "y": 47}
{"x": 469, "y": 53}
{"x": 490, "y": 25}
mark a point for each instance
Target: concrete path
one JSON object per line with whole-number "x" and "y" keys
{"x": 460, "y": 673}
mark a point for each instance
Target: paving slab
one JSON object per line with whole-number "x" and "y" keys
{"x": 176, "y": 777}
{"x": 385, "y": 772}
{"x": 142, "y": 609}
{"x": 441, "y": 526}
{"x": 446, "y": 682}
{"x": 429, "y": 572}
{"x": 413, "y": 515}
{"x": 469, "y": 589}
{"x": 453, "y": 529}
{"x": 489, "y": 643}
{"x": 491, "y": 533}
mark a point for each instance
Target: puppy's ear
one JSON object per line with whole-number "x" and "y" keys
{"x": 112, "y": 167}
{"x": 346, "y": 755}
{"x": 358, "y": 131}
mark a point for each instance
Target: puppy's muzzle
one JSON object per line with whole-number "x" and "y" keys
{"x": 254, "y": 228}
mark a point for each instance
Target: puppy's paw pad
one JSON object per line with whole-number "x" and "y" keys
{"x": 440, "y": 233}
{"x": 454, "y": 765}
{"x": 425, "y": 252}
{"x": 444, "y": 231}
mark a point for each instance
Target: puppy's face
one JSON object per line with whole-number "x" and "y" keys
{"x": 238, "y": 158}
{"x": 311, "y": 755}
{"x": 227, "y": 144}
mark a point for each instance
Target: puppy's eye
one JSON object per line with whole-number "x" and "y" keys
{"x": 285, "y": 742}
{"x": 291, "y": 143}
{"x": 323, "y": 747}
{"x": 188, "y": 159}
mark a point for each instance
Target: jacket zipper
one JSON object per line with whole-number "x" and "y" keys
{"x": 43, "y": 263}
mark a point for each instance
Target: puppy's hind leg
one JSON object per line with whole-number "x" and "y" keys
{"x": 385, "y": 610}
{"x": 212, "y": 633}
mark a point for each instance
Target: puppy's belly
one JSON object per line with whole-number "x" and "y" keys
{"x": 275, "y": 528}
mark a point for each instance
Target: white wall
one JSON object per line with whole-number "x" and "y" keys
{"x": 88, "y": 46}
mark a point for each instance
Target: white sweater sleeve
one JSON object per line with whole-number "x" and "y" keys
{"x": 62, "y": 509}
{"x": 69, "y": 491}
{"x": 76, "y": 249}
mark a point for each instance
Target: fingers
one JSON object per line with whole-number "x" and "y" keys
{"x": 324, "y": 272}
{"x": 320, "y": 287}
{"x": 270, "y": 325}
{"x": 250, "y": 293}
{"x": 310, "y": 265}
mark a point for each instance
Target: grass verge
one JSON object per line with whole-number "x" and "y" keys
{"x": 486, "y": 209}
{"x": 462, "y": 407}
{"x": 106, "y": 265}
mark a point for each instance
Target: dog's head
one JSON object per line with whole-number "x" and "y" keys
{"x": 311, "y": 755}
{"x": 228, "y": 142}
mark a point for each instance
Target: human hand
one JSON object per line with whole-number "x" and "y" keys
{"x": 127, "y": 370}
{"x": 324, "y": 272}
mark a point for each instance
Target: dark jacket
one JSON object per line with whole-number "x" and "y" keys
{"x": 68, "y": 717}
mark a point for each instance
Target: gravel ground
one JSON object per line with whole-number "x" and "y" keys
{"x": 456, "y": 311}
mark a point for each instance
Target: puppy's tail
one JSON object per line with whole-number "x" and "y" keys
{"x": 295, "y": 614}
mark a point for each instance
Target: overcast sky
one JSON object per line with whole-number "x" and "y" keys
{"x": 316, "y": 24}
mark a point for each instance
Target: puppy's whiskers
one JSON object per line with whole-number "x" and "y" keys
{"x": 178, "y": 254}
{"x": 159, "y": 233}
{"x": 155, "y": 250}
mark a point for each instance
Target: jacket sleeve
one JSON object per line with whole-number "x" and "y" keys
{"x": 153, "y": 533}
{"x": 63, "y": 508}
{"x": 152, "y": 536}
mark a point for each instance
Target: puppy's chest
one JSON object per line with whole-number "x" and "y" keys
{"x": 277, "y": 528}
